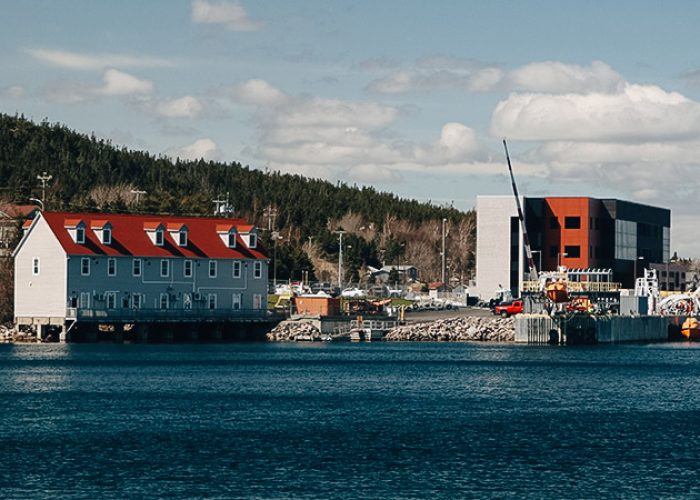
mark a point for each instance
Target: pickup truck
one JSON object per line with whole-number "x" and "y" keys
{"x": 509, "y": 308}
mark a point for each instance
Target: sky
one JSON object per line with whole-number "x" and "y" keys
{"x": 595, "y": 98}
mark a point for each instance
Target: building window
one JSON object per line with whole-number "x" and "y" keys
{"x": 164, "y": 300}
{"x": 35, "y": 266}
{"x": 159, "y": 238}
{"x": 85, "y": 266}
{"x": 573, "y": 251}
{"x": 164, "y": 268}
{"x": 572, "y": 222}
{"x": 212, "y": 269}
{"x": 84, "y": 300}
{"x": 80, "y": 235}
{"x": 187, "y": 301}
{"x": 107, "y": 236}
{"x": 253, "y": 240}
{"x": 111, "y": 267}
{"x": 136, "y": 267}
{"x": 257, "y": 301}
{"x": 257, "y": 270}
{"x": 625, "y": 239}
{"x": 136, "y": 301}
{"x": 236, "y": 268}
{"x": 212, "y": 301}
{"x": 111, "y": 299}
{"x": 553, "y": 223}
{"x": 232, "y": 240}
{"x": 187, "y": 269}
{"x": 236, "y": 301}
{"x": 182, "y": 241}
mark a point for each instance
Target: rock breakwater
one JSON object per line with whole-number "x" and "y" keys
{"x": 463, "y": 329}
{"x": 291, "y": 331}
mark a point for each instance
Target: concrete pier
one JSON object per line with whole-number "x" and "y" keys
{"x": 591, "y": 329}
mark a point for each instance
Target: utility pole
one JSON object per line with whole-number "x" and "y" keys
{"x": 271, "y": 214}
{"x": 219, "y": 203}
{"x": 138, "y": 195}
{"x": 340, "y": 260}
{"x": 44, "y": 178}
{"x": 444, "y": 222}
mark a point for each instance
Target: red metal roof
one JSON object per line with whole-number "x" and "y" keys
{"x": 129, "y": 237}
{"x": 98, "y": 224}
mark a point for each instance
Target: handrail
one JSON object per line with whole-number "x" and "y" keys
{"x": 578, "y": 286}
{"x": 144, "y": 314}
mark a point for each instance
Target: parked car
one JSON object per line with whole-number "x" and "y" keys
{"x": 353, "y": 293}
{"x": 509, "y": 308}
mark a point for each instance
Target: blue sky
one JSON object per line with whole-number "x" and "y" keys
{"x": 412, "y": 97}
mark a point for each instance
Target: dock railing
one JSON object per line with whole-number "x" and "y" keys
{"x": 165, "y": 315}
{"x": 577, "y": 286}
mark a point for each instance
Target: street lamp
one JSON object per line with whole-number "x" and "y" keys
{"x": 559, "y": 256}
{"x": 275, "y": 238}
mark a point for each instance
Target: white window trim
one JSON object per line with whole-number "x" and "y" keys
{"x": 107, "y": 236}
{"x": 113, "y": 296}
{"x": 182, "y": 239}
{"x": 167, "y": 301}
{"x": 135, "y": 296}
{"x": 133, "y": 267}
{"x": 184, "y": 268}
{"x": 209, "y": 297}
{"x": 253, "y": 240}
{"x": 257, "y": 270}
{"x": 159, "y": 238}
{"x": 214, "y": 267}
{"x": 80, "y": 231}
{"x": 167, "y": 268}
{"x": 110, "y": 260}
{"x": 83, "y": 260}
{"x": 232, "y": 240}
{"x": 36, "y": 266}
{"x": 237, "y": 266}
{"x": 236, "y": 302}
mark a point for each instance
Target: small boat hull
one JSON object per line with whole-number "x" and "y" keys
{"x": 691, "y": 329}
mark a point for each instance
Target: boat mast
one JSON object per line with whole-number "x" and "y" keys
{"x": 526, "y": 240}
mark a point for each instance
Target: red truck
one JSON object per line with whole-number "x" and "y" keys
{"x": 510, "y": 308}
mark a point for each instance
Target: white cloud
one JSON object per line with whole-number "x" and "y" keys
{"x": 638, "y": 113}
{"x": 342, "y": 139}
{"x": 257, "y": 92}
{"x": 114, "y": 84}
{"x": 231, "y": 15}
{"x": 118, "y": 83}
{"x": 557, "y": 77}
{"x": 201, "y": 148}
{"x": 12, "y": 92}
{"x": 181, "y": 107}
{"x": 74, "y": 60}
{"x": 549, "y": 76}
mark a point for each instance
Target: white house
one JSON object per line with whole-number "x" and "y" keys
{"x": 106, "y": 267}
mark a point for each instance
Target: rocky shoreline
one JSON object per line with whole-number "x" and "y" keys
{"x": 462, "y": 329}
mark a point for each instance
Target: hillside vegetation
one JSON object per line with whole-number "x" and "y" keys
{"x": 90, "y": 173}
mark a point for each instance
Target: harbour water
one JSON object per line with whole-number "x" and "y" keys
{"x": 349, "y": 420}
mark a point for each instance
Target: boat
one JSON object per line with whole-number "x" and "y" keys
{"x": 690, "y": 329}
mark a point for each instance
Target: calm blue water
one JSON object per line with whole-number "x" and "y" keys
{"x": 349, "y": 420}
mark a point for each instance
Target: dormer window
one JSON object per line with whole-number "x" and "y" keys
{"x": 228, "y": 234}
{"x": 249, "y": 235}
{"x": 155, "y": 232}
{"x": 178, "y": 232}
{"x": 103, "y": 231}
{"x": 76, "y": 230}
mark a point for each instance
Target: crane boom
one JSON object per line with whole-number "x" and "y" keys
{"x": 526, "y": 240}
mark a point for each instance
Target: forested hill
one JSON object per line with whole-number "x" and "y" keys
{"x": 90, "y": 173}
